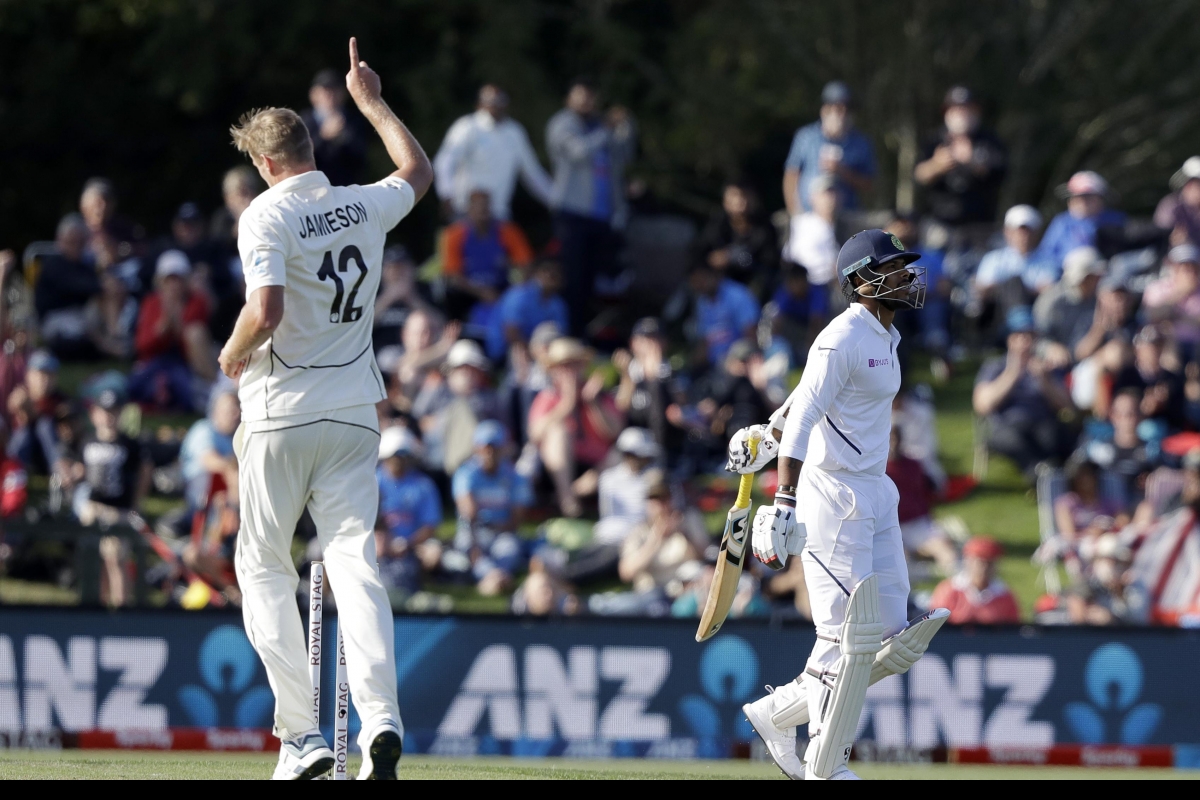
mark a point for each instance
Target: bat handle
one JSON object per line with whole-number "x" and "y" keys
{"x": 746, "y": 484}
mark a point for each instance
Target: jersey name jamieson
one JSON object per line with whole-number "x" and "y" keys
{"x": 332, "y": 221}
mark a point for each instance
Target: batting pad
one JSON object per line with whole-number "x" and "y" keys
{"x": 861, "y": 639}
{"x": 896, "y": 657}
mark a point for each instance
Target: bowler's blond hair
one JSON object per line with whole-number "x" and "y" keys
{"x": 278, "y": 133}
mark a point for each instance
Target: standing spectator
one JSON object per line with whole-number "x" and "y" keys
{"x": 525, "y": 306}
{"x": 339, "y": 146}
{"x": 975, "y": 595}
{"x": 210, "y": 269}
{"x": 65, "y": 286}
{"x": 573, "y": 422}
{"x": 648, "y": 385}
{"x": 174, "y": 348}
{"x": 812, "y": 240}
{"x": 488, "y": 150}
{"x": 738, "y": 242}
{"x": 1021, "y": 397}
{"x": 832, "y": 146}
{"x": 410, "y": 511}
{"x": 589, "y": 153}
{"x": 920, "y": 534}
{"x": 1087, "y": 212}
{"x": 477, "y": 253}
{"x": 964, "y": 164}
{"x": 1179, "y": 212}
{"x": 490, "y": 498}
{"x": 98, "y": 205}
{"x": 239, "y": 187}
{"x": 34, "y": 408}
{"x": 725, "y": 311}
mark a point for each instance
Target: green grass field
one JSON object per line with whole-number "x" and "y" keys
{"x": 123, "y": 765}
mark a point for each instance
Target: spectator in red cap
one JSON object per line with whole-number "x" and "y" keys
{"x": 1087, "y": 211}
{"x": 975, "y": 595}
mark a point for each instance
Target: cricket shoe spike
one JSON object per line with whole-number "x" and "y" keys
{"x": 382, "y": 758}
{"x": 303, "y": 759}
{"x": 780, "y": 742}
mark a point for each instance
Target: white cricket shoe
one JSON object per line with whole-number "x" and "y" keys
{"x": 842, "y": 773}
{"x": 303, "y": 759}
{"x": 780, "y": 742}
{"x": 382, "y": 757}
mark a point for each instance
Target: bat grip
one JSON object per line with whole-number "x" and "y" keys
{"x": 746, "y": 484}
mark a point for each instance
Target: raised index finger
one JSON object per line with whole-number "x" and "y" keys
{"x": 353, "y": 53}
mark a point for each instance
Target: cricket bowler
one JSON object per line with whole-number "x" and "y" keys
{"x": 836, "y": 510}
{"x": 312, "y": 255}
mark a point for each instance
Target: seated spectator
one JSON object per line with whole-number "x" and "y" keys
{"x": 1087, "y": 212}
{"x": 239, "y": 187}
{"x": 799, "y": 308}
{"x": 98, "y": 206}
{"x": 543, "y": 595}
{"x": 725, "y": 311}
{"x": 648, "y": 385}
{"x": 525, "y": 306}
{"x": 914, "y": 416}
{"x": 207, "y": 452}
{"x": 1175, "y": 298}
{"x": 738, "y": 242}
{"x": 1083, "y": 512}
{"x": 529, "y": 375}
{"x": 1099, "y": 597}
{"x": 110, "y": 318}
{"x": 1119, "y": 449}
{"x": 1179, "y": 212}
{"x": 174, "y": 349}
{"x": 963, "y": 165}
{"x": 210, "y": 274}
{"x": 922, "y": 536}
{"x": 1008, "y": 277}
{"x": 1021, "y": 397}
{"x": 34, "y": 409}
{"x": 410, "y": 511}
{"x": 933, "y": 319}
{"x": 399, "y": 297}
{"x": 449, "y": 410}
{"x": 412, "y": 365}
{"x": 812, "y": 242}
{"x": 696, "y": 579}
{"x": 771, "y": 372}
{"x": 65, "y": 286}
{"x": 1065, "y": 312}
{"x": 572, "y": 422}
{"x": 490, "y": 498}
{"x": 975, "y": 595}
{"x": 477, "y": 254}
{"x": 1161, "y": 390}
{"x": 1106, "y": 348}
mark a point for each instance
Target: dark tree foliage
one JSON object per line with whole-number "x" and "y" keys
{"x": 143, "y": 91}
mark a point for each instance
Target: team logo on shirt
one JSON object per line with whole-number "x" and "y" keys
{"x": 879, "y": 362}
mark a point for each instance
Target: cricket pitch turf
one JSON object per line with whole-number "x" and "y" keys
{"x": 125, "y": 765}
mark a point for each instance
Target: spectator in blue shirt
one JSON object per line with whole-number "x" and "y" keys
{"x": 831, "y": 145}
{"x": 490, "y": 497}
{"x": 522, "y": 308}
{"x": 797, "y": 309}
{"x": 1087, "y": 212}
{"x": 207, "y": 451}
{"x": 725, "y": 311}
{"x": 1010, "y": 277}
{"x": 409, "y": 511}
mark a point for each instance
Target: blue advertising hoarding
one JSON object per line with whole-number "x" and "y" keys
{"x": 604, "y": 687}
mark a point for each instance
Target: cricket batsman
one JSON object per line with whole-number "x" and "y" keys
{"x": 836, "y": 510}
{"x": 312, "y": 255}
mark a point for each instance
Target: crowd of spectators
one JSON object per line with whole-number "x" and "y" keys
{"x": 526, "y": 454}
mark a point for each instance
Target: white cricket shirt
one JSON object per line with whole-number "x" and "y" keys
{"x": 841, "y": 417}
{"x": 481, "y": 153}
{"x": 324, "y": 245}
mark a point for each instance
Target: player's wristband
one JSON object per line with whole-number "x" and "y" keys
{"x": 783, "y": 498}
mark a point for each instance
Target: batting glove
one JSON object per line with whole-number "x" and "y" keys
{"x": 739, "y": 450}
{"x": 775, "y": 534}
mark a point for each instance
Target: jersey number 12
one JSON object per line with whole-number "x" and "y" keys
{"x": 351, "y": 312}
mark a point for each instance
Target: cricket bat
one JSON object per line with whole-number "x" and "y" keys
{"x": 730, "y": 559}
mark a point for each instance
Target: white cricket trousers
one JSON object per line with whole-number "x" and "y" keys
{"x": 324, "y": 461}
{"x": 852, "y": 531}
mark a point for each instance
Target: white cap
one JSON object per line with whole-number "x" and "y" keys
{"x": 637, "y": 442}
{"x": 467, "y": 353}
{"x": 1188, "y": 172}
{"x": 173, "y": 262}
{"x": 1081, "y": 262}
{"x": 397, "y": 440}
{"x": 1023, "y": 216}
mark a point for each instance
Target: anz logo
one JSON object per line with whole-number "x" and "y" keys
{"x": 228, "y": 668}
{"x": 1113, "y": 679}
